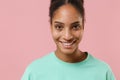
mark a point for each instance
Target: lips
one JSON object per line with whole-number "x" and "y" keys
{"x": 67, "y": 44}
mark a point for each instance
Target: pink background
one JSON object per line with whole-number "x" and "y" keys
{"x": 25, "y": 34}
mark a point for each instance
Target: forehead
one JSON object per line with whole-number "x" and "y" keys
{"x": 67, "y": 14}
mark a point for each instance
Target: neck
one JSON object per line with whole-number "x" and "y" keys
{"x": 77, "y": 56}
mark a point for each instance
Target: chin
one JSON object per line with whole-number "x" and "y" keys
{"x": 67, "y": 51}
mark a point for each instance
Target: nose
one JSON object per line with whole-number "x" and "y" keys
{"x": 67, "y": 35}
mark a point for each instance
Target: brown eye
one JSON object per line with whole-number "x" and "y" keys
{"x": 59, "y": 27}
{"x": 76, "y": 27}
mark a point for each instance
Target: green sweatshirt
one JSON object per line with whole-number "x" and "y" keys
{"x": 50, "y": 67}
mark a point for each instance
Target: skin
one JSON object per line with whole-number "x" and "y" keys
{"x": 67, "y": 30}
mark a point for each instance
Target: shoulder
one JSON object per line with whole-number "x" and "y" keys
{"x": 37, "y": 66}
{"x": 99, "y": 63}
{"x": 40, "y": 63}
{"x": 101, "y": 67}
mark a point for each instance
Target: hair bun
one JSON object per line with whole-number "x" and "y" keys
{"x": 82, "y": 1}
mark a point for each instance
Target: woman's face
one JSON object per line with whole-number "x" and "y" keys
{"x": 67, "y": 29}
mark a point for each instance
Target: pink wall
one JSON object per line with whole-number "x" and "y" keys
{"x": 25, "y": 34}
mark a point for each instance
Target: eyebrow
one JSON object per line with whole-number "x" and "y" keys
{"x": 76, "y": 22}
{"x": 59, "y": 22}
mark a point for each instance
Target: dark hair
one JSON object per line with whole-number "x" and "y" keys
{"x": 55, "y": 4}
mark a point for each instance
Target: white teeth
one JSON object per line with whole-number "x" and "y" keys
{"x": 67, "y": 44}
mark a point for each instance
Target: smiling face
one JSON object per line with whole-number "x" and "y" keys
{"x": 67, "y": 29}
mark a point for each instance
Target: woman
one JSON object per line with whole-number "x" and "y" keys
{"x": 67, "y": 62}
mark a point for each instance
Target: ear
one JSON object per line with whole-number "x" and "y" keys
{"x": 50, "y": 25}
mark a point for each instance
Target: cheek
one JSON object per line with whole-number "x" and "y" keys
{"x": 55, "y": 35}
{"x": 79, "y": 34}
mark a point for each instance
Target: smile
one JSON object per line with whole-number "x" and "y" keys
{"x": 68, "y": 44}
